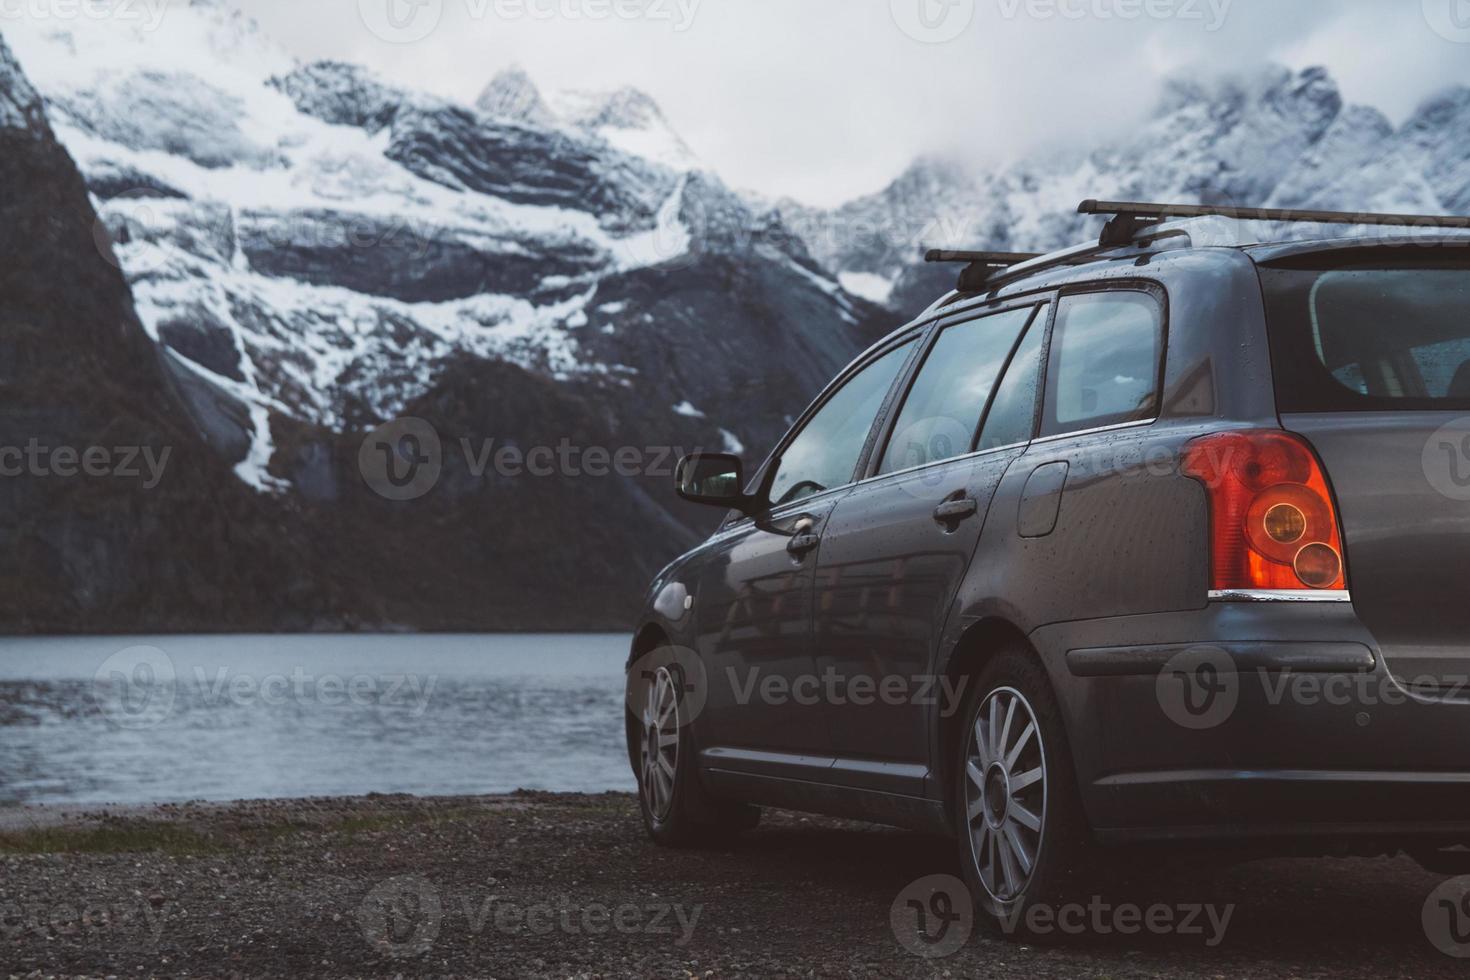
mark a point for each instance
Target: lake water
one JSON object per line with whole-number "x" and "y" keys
{"x": 155, "y": 719}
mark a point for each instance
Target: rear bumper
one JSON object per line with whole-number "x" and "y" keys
{"x": 1254, "y": 720}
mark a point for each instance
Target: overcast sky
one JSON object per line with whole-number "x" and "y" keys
{"x": 828, "y": 99}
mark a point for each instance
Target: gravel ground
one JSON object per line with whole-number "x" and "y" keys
{"x": 562, "y": 886}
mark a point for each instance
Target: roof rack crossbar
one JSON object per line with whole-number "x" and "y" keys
{"x": 1138, "y": 215}
{"x": 993, "y": 259}
{"x": 977, "y": 278}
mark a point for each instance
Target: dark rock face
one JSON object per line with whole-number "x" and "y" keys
{"x": 519, "y": 164}
{"x": 342, "y": 94}
{"x": 119, "y": 181}
{"x": 127, "y": 546}
{"x": 400, "y": 258}
{"x": 200, "y": 337}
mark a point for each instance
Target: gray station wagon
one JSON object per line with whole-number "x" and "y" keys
{"x": 1144, "y": 540}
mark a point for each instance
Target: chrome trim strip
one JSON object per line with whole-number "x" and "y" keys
{"x": 1280, "y": 595}
{"x": 977, "y": 454}
{"x": 1088, "y": 432}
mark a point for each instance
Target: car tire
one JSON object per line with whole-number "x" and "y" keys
{"x": 677, "y": 810}
{"x": 1023, "y": 837}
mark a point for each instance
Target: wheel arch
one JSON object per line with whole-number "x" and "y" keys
{"x": 972, "y": 651}
{"x": 649, "y": 637}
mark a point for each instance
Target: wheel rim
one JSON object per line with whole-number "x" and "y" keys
{"x": 1005, "y": 793}
{"x": 660, "y": 743}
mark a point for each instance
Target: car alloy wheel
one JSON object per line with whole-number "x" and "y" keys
{"x": 1005, "y": 793}
{"x": 660, "y": 749}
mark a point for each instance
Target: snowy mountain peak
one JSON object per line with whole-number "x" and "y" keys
{"x": 513, "y": 95}
{"x": 630, "y": 120}
{"x": 624, "y": 108}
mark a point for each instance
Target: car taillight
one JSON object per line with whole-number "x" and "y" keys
{"x": 1272, "y": 522}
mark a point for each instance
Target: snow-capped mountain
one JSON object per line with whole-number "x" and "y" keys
{"x": 312, "y": 252}
{"x": 1276, "y": 138}
{"x": 318, "y": 244}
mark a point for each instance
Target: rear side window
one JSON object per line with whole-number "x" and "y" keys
{"x": 949, "y": 394}
{"x": 1106, "y": 356}
{"x": 1012, "y": 413}
{"x": 1385, "y": 337}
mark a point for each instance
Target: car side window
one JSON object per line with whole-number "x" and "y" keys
{"x": 943, "y": 407}
{"x": 1106, "y": 351}
{"x": 825, "y": 452}
{"x": 1012, "y": 415}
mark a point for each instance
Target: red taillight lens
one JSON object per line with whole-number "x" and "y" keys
{"x": 1272, "y": 522}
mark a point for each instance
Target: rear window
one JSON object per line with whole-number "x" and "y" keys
{"x": 1372, "y": 336}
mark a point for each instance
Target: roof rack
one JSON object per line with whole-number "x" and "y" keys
{"x": 1132, "y": 217}
{"x": 998, "y": 260}
{"x": 980, "y": 266}
{"x": 1130, "y": 225}
{"x": 988, "y": 270}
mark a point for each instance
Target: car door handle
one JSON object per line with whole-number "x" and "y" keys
{"x": 953, "y": 511}
{"x": 802, "y": 543}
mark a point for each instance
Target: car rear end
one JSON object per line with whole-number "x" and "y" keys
{"x": 1323, "y": 690}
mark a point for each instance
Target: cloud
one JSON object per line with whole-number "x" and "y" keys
{"x": 827, "y": 99}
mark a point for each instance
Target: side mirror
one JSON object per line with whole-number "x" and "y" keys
{"x": 716, "y": 479}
